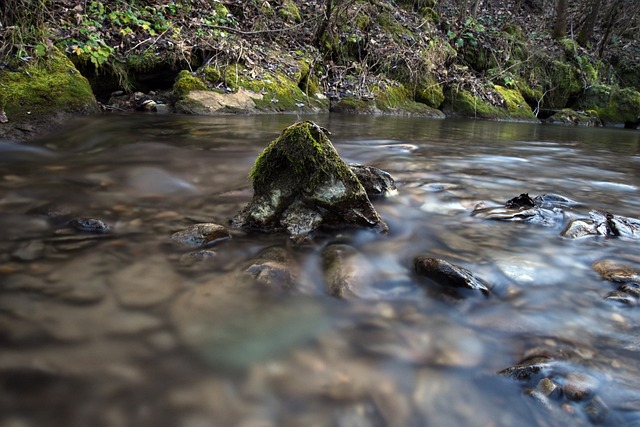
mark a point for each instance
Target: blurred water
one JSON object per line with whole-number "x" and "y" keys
{"x": 116, "y": 330}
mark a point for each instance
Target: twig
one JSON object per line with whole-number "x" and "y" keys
{"x": 154, "y": 42}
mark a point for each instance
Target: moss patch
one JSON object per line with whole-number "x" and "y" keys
{"x": 280, "y": 91}
{"x": 515, "y": 103}
{"x": 612, "y": 104}
{"x": 304, "y": 149}
{"x": 393, "y": 97}
{"x": 463, "y": 103}
{"x": 187, "y": 82}
{"x": 428, "y": 91}
{"x": 52, "y": 86}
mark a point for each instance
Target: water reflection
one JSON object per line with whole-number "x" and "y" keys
{"x": 120, "y": 330}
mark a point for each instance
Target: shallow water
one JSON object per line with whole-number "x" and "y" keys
{"x": 116, "y": 329}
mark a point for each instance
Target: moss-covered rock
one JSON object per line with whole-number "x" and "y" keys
{"x": 613, "y": 105}
{"x": 280, "y": 91}
{"x": 187, "y": 82}
{"x": 392, "y": 97}
{"x": 51, "y": 86}
{"x": 428, "y": 91}
{"x": 300, "y": 183}
{"x": 463, "y": 103}
{"x": 353, "y": 105}
{"x": 515, "y": 103}
{"x": 564, "y": 84}
{"x": 571, "y": 117}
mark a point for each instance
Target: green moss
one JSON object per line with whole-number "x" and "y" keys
{"x": 187, "y": 82}
{"x": 51, "y": 86}
{"x": 530, "y": 95}
{"x": 430, "y": 15}
{"x": 463, "y": 103}
{"x": 569, "y": 46}
{"x": 212, "y": 74}
{"x": 289, "y": 11}
{"x": 564, "y": 83}
{"x": 304, "y": 149}
{"x": 307, "y": 82}
{"x": 517, "y": 106}
{"x": 513, "y": 30}
{"x": 144, "y": 62}
{"x": 280, "y": 92}
{"x": 612, "y": 104}
{"x": 353, "y": 105}
{"x": 393, "y": 97}
{"x": 429, "y": 91}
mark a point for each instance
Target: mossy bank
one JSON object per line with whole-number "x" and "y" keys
{"x": 421, "y": 58}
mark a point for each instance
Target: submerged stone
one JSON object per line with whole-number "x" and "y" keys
{"x": 200, "y": 235}
{"x": 449, "y": 275}
{"x": 347, "y": 273}
{"x": 300, "y": 183}
{"x": 545, "y": 209}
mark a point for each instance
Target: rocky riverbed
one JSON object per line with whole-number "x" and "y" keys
{"x": 127, "y": 297}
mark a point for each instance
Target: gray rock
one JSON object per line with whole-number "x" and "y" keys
{"x": 376, "y": 182}
{"x": 89, "y": 225}
{"x": 200, "y": 235}
{"x": 300, "y": 183}
{"x": 449, "y": 275}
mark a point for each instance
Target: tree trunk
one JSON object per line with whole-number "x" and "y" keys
{"x": 589, "y": 23}
{"x": 610, "y": 20}
{"x": 560, "y": 27}
{"x": 462, "y": 11}
{"x": 476, "y": 4}
{"x": 328, "y": 8}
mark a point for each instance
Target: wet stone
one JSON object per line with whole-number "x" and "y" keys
{"x": 546, "y": 209}
{"x": 89, "y": 225}
{"x": 145, "y": 283}
{"x": 578, "y": 228}
{"x": 578, "y": 386}
{"x": 449, "y": 275}
{"x": 273, "y": 267}
{"x": 622, "y": 298}
{"x": 30, "y": 251}
{"x": 197, "y": 259}
{"x": 347, "y": 273}
{"x": 530, "y": 368}
{"x": 614, "y": 271}
{"x": 548, "y": 387}
{"x": 376, "y": 182}
{"x": 200, "y": 235}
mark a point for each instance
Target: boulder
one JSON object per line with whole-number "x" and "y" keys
{"x": 300, "y": 183}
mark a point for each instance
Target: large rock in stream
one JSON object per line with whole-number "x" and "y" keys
{"x": 300, "y": 183}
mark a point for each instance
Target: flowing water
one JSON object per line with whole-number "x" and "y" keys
{"x": 120, "y": 329}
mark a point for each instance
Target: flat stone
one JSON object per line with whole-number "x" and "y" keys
{"x": 200, "y": 235}
{"x": 145, "y": 283}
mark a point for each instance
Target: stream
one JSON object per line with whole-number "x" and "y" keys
{"x": 125, "y": 329}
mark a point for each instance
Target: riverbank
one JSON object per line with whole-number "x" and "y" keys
{"x": 422, "y": 58}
